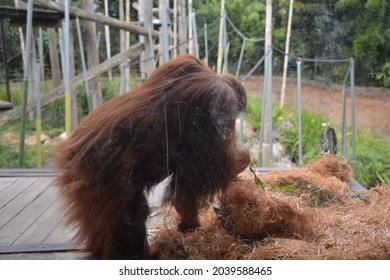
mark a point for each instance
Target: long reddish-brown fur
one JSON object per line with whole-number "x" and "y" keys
{"x": 178, "y": 123}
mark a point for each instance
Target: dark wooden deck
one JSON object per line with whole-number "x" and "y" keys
{"x": 31, "y": 216}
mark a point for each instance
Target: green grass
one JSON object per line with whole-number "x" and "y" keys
{"x": 373, "y": 159}
{"x": 253, "y": 114}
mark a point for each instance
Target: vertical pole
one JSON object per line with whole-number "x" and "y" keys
{"x": 40, "y": 53}
{"x": 269, "y": 98}
{"x": 226, "y": 46}
{"x": 121, "y": 32}
{"x": 127, "y": 18}
{"x": 344, "y": 124}
{"x": 127, "y": 43}
{"x": 287, "y": 51}
{"x": 4, "y": 54}
{"x": 190, "y": 30}
{"x": 206, "y": 45}
{"x": 263, "y": 109}
{"x": 91, "y": 104}
{"x": 182, "y": 26}
{"x": 151, "y": 48}
{"x": 195, "y": 34}
{"x": 145, "y": 17}
{"x": 220, "y": 38}
{"x": 38, "y": 122}
{"x": 352, "y": 85}
{"x": 175, "y": 23}
{"x": 164, "y": 34}
{"x": 266, "y": 152}
{"x": 108, "y": 40}
{"x": 122, "y": 41}
{"x": 54, "y": 61}
{"x": 25, "y": 83}
{"x": 68, "y": 125}
{"x": 299, "y": 83}
{"x": 99, "y": 37}
{"x": 241, "y": 131}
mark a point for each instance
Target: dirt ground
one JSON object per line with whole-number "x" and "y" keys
{"x": 372, "y": 104}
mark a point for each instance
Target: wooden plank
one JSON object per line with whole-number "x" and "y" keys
{"x": 29, "y": 214}
{"x": 36, "y": 248}
{"x": 72, "y": 255}
{"x": 12, "y": 192}
{"x": 43, "y": 226}
{"x": 28, "y": 172}
{"x": 6, "y": 183}
{"x": 61, "y": 233}
{"x": 33, "y": 189}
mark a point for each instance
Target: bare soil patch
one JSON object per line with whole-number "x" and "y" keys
{"x": 372, "y": 105}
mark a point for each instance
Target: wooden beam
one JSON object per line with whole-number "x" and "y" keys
{"x": 96, "y": 17}
{"x": 58, "y": 92}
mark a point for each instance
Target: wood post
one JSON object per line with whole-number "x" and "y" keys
{"x": 86, "y": 15}
{"x": 92, "y": 54}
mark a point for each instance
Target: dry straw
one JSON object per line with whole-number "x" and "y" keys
{"x": 302, "y": 214}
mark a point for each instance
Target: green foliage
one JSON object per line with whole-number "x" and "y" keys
{"x": 373, "y": 153}
{"x": 312, "y": 127}
{"x": 253, "y": 113}
{"x": 16, "y": 90}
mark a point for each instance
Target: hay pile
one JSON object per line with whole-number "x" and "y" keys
{"x": 306, "y": 213}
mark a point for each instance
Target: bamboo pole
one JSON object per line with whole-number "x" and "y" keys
{"x": 4, "y": 55}
{"x": 65, "y": 30}
{"x": 40, "y": 53}
{"x": 127, "y": 42}
{"x": 107, "y": 35}
{"x": 182, "y": 26}
{"x": 266, "y": 149}
{"x": 220, "y": 38}
{"x": 190, "y": 29}
{"x": 145, "y": 17}
{"x": 58, "y": 92}
{"x": 299, "y": 89}
{"x": 96, "y": 18}
{"x": 91, "y": 103}
{"x": 352, "y": 89}
{"x": 206, "y": 45}
{"x": 164, "y": 45}
{"x": 38, "y": 121}
{"x": 287, "y": 51}
{"x": 195, "y": 34}
{"x": 54, "y": 61}
{"x": 122, "y": 44}
{"x": 175, "y": 28}
{"x": 25, "y": 83}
